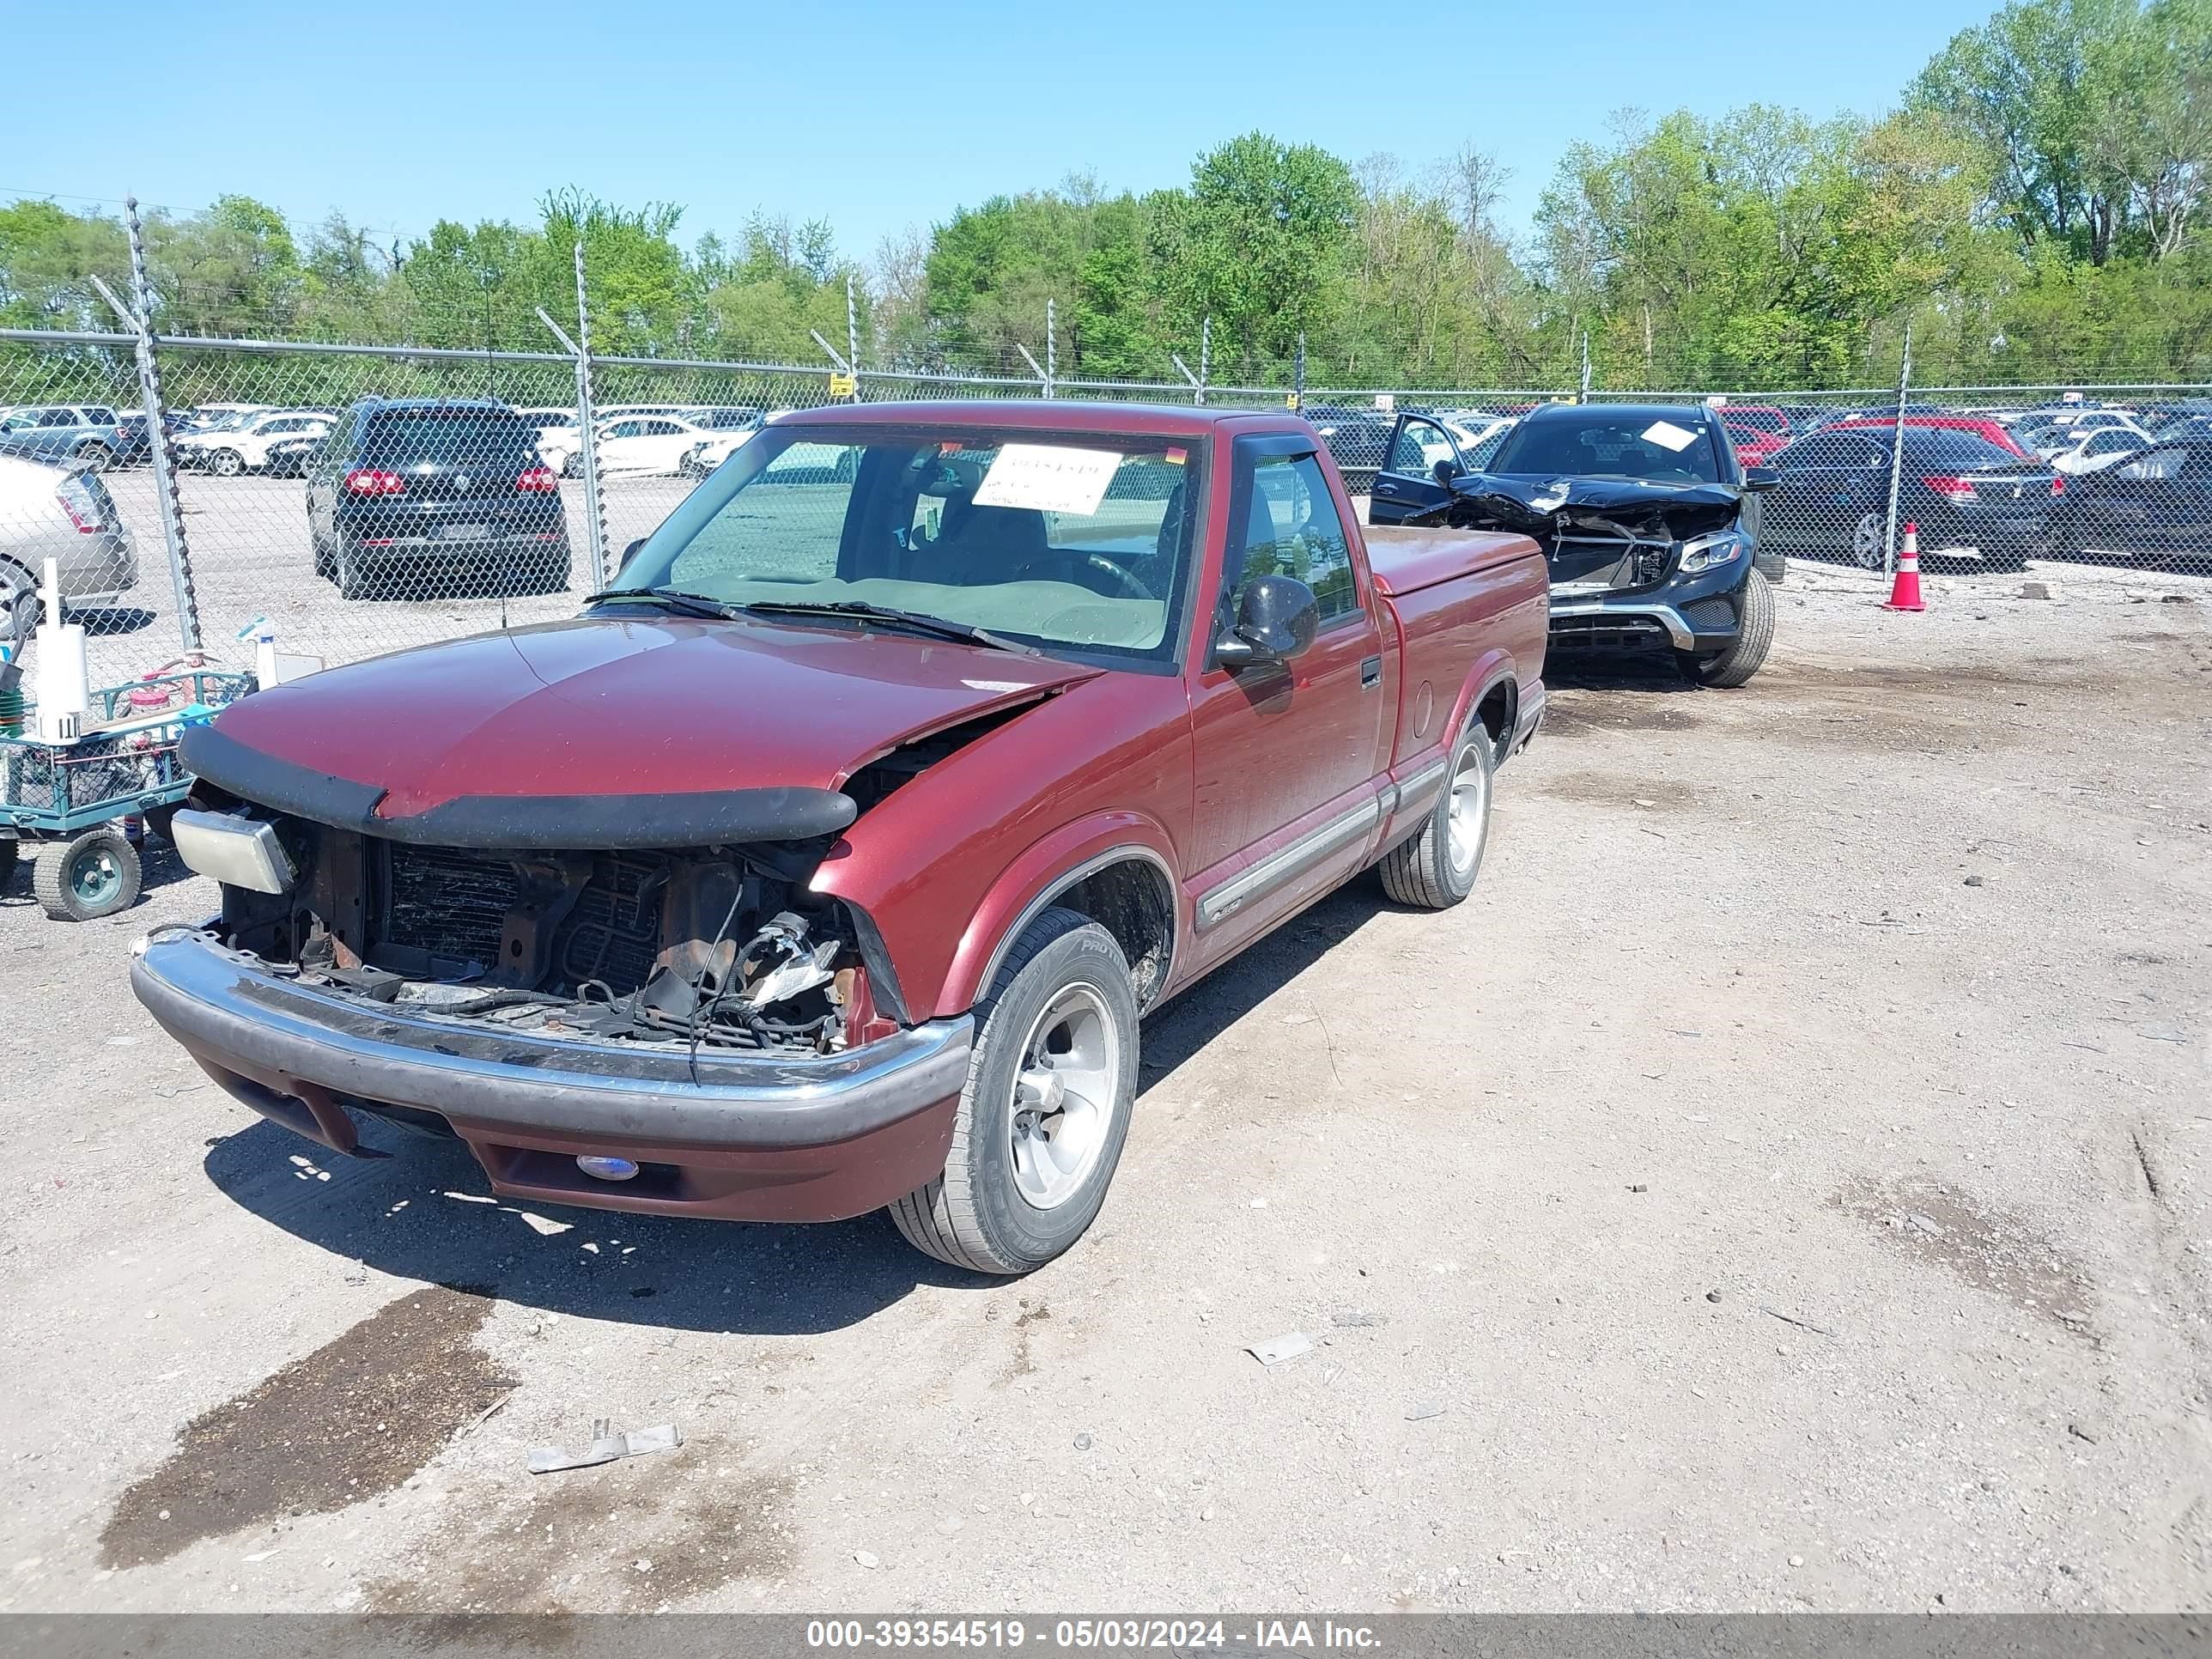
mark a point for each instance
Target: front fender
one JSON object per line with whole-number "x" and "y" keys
{"x": 1032, "y": 880}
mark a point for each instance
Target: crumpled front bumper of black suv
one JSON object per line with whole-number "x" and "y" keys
{"x": 1696, "y": 611}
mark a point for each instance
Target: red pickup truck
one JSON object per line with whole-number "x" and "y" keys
{"x": 828, "y": 861}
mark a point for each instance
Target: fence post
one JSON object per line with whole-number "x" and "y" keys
{"x": 1044, "y": 379}
{"x": 852, "y": 336}
{"x": 1049, "y": 360}
{"x": 1582, "y": 395}
{"x": 157, "y": 437}
{"x": 595, "y": 510}
{"x": 1298, "y": 375}
{"x": 1897, "y": 454}
{"x": 1205, "y": 354}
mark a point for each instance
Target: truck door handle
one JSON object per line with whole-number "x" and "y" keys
{"x": 1370, "y": 673}
{"x": 1383, "y": 488}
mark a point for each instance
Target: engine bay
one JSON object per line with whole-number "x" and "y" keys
{"x": 720, "y": 947}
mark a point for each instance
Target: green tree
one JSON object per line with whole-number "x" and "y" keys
{"x": 1264, "y": 241}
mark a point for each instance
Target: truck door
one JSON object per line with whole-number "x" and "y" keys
{"x": 1421, "y": 460}
{"x": 1287, "y": 754}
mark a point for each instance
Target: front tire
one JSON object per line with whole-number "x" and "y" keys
{"x": 1734, "y": 665}
{"x": 88, "y": 876}
{"x": 1042, "y": 1121}
{"x": 1436, "y": 868}
{"x": 227, "y": 463}
{"x": 97, "y": 457}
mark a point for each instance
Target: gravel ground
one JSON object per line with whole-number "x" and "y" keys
{"x": 1784, "y": 1185}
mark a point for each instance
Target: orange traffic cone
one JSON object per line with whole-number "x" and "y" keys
{"x": 1905, "y": 593}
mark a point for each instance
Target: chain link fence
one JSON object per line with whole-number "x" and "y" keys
{"x": 354, "y": 500}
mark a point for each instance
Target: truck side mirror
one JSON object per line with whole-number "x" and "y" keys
{"x": 1759, "y": 479}
{"x": 1444, "y": 471}
{"x": 1277, "y": 617}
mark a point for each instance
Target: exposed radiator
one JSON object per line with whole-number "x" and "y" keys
{"x": 448, "y": 900}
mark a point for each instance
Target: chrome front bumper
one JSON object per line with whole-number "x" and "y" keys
{"x": 277, "y": 1044}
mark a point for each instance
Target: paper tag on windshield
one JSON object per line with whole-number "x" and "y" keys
{"x": 1052, "y": 477}
{"x": 1668, "y": 435}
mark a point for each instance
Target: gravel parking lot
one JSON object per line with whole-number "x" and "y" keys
{"x": 1784, "y": 1185}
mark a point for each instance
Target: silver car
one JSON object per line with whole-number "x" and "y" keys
{"x": 49, "y": 510}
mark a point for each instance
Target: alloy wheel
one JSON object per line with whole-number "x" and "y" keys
{"x": 1064, "y": 1096}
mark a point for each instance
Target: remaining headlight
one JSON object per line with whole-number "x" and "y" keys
{"x": 237, "y": 852}
{"x": 1711, "y": 550}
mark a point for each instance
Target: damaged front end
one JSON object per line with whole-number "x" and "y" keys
{"x": 715, "y": 947}
{"x": 1601, "y": 533}
{"x": 689, "y": 1030}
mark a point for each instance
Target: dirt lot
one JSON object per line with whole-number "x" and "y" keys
{"x": 1784, "y": 1185}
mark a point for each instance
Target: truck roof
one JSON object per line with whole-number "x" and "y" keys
{"x": 1145, "y": 420}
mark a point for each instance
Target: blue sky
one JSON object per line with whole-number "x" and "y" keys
{"x": 873, "y": 116}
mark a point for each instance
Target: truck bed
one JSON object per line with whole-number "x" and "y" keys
{"x": 1405, "y": 559}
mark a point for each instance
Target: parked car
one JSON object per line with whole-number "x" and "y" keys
{"x": 1967, "y": 496}
{"x": 83, "y": 433}
{"x": 413, "y": 484}
{"x": 561, "y": 443}
{"x": 228, "y": 451}
{"x": 556, "y": 434}
{"x": 1756, "y": 430}
{"x": 2052, "y": 433}
{"x": 1357, "y": 440}
{"x": 2095, "y": 450}
{"x": 58, "y": 510}
{"x": 290, "y": 458}
{"x": 1638, "y": 508}
{"x": 829, "y": 862}
{"x": 1984, "y": 427}
{"x": 2157, "y": 501}
{"x": 709, "y": 452}
{"x": 646, "y": 445}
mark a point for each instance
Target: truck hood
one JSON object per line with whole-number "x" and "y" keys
{"x": 1630, "y": 508}
{"x": 606, "y": 731}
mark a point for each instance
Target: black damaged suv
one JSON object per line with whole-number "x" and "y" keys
{"x": 1639, "y": 508}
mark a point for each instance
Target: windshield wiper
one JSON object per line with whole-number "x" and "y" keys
{"x": 691, "y": 604}
{"x": 919, "y": 622}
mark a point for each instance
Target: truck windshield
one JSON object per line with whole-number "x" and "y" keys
{"x": 1655, "y": 445}
{"x": 1078, "y": 544}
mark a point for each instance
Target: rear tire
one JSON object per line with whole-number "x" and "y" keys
{"x": 1867, "y": 537}
{"x": 547, "y": 573}
{"x": 227, "y": 463}
{"x": 353, "y": 582}
{"x": 1734, "y": 665}
{"x": 9, "y": 853}
{"x": 97, "y": 457}
{"x": 88, "y": 876}
{"x": 1436, "y": 868}
{"x": 1035, "y": 1143}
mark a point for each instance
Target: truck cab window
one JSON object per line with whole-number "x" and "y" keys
{"x": 1291, "y": 528}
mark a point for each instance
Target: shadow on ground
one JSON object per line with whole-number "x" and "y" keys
{"x": 427, "y": 1212}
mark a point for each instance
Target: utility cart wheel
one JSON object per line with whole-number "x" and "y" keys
{"x": 90, "y": 875}
{"x": 8, "y": 859}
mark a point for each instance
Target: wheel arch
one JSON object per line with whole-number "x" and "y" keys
{"x": 1119, "y": 872}
{"x": 1491, "y": 692}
